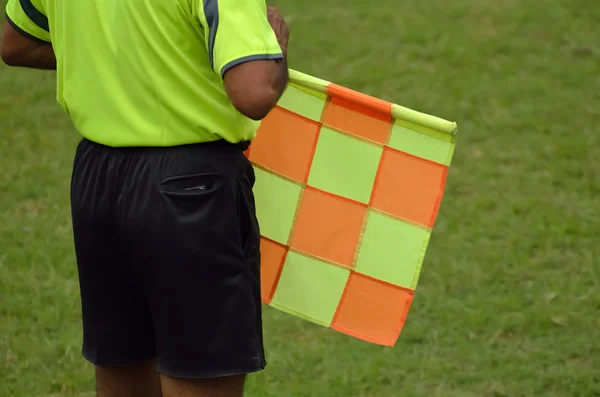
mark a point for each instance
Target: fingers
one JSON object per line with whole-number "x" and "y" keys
{"x": 280, "y": 27}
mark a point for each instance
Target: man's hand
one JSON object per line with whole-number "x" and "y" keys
{"x": 280, "y": 27}
{"x": 17, "y": 49}
{"x": 255, "y": 87}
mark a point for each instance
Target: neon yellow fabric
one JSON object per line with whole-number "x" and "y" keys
{"x": 141, "y": 73}
{"x": 19, "y": 18}
{"x": 241, "y": 31}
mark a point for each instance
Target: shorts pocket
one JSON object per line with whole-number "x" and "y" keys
{"x": 191, "y": 185}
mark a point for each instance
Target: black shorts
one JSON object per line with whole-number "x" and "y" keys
{"x": 167, "y": 245}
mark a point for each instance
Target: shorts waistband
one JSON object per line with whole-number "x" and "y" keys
{"x": 150, "y": 150}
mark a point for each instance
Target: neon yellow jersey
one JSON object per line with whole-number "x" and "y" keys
{"x": 150, "y": 73}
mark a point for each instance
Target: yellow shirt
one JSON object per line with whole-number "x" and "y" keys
{"x": 150, "y": 73}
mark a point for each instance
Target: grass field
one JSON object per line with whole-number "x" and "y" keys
{"x": 509, "y": 299}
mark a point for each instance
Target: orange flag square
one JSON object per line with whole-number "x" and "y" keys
{"x": 272, "y": 259}
{"x": 409, "y": 187}
{"x": 328, "y": 226}
{"x": 285, "y": 143}
{"x": 372, "y": 310}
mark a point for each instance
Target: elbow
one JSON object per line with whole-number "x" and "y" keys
{"x": 256, "y": 105}
{"x": 256, "y": 113}
{"x": 9, "y": 60}
{"x": 8, "y": 55}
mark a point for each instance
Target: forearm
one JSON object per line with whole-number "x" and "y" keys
{"x": 280, "y": 77}
{"x": 37, "y": 57}
{"x": 42, "y": 57}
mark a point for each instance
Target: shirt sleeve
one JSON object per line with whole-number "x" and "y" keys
{"x": 236, "y": 31}
{"x": 28, "y": 18}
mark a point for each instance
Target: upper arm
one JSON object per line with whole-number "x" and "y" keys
{"x": 236, "y": 31}
{"x": 28, "y": 17}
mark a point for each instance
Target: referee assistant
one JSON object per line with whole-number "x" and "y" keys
{"x": 166, "y": 94}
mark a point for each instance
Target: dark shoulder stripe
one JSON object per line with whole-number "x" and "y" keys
{"x": 22, "y": 32}
{"x": 36, "y": 17}
{"x": 211, "y": 12}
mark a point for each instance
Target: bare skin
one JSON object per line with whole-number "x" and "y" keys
{"x": 230, "y": 386}
{"x": 139, "y": 380}
{"x": 19, "y": 50}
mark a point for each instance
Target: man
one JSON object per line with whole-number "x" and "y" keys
{"x": 166, "y": 94}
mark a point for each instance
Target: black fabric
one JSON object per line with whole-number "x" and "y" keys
{"x": 167, "y": 245}
{"x": 35, "y": 15}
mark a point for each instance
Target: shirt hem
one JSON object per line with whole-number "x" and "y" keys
{"x": 23, "y": 32}
{"x": 249, "y": 58}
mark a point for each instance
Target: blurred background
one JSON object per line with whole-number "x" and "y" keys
{"x": 508, "y": 303}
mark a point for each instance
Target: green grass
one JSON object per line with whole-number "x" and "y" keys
{"x": 509, "y": 298}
